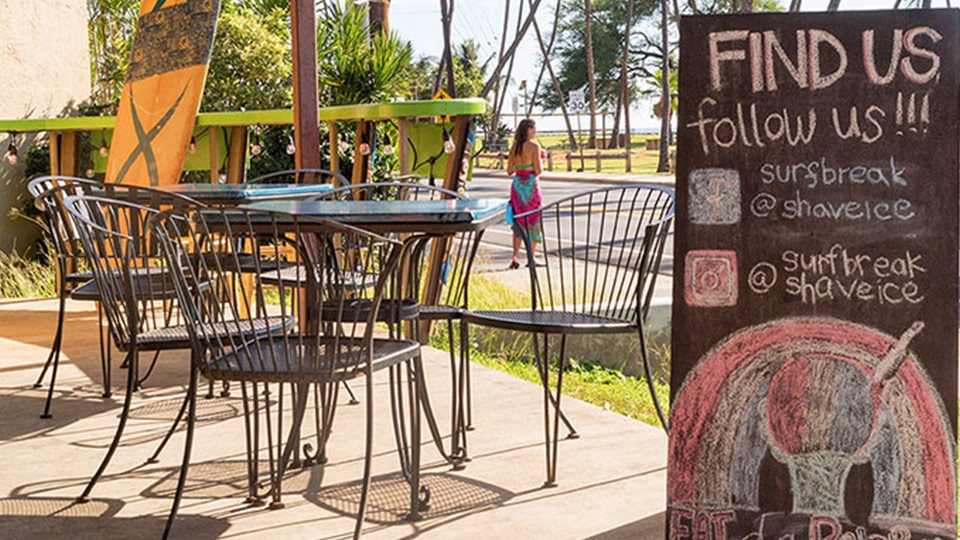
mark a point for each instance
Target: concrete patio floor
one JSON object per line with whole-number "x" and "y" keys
{"x": 612, "y": 479}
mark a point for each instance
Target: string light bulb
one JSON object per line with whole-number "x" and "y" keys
{"x": 12, "y": 154}
{"x": 364, "y": 149}
{"x": 89, "y": 173}
{"x": 193, "y": 145}
{"x": 344, "y": 146}
{"x": 255, "y": 147}
{"x": 103, "y": 144}
{"x": 387, "y": 147}
{"x": 448, "y": 145}
{"x": 291, "y": 148}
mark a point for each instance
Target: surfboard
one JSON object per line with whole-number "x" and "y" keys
{"x": 162, "y": 91}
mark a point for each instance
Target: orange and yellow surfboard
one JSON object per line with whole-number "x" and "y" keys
{"x": 161, "y": 95}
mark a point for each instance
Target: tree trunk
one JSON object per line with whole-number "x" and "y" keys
{"x": 626, "y": 81}
{"x": 556, "y": 85}
{"x": 613, "y": 142}
{"x": 446, "y": 14}
{"x": 795, "y": 6}
{"x": 591, "y": 84}
{"x": 543, "y": 68}
{"x": 834, "y": 5}
{"x": 746, "y": 6}
{"x": 506, "y": 80}
{"x": 495, "y": 119}
{"x": 379, "y": 17}
{"x": 531, "y": 18}
{"x": 663, "y": 164}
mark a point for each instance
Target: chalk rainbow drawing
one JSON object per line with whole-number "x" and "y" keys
{"x": 820, "y": 395}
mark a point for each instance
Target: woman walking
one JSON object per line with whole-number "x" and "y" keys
{"x": 524, "y": 165}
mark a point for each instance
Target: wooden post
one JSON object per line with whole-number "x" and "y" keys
{"x": 237, "y": 154}
{"x": 54, "y": 139}
{"x": 598, "y": 161}
{"x": 214, "y": 155}
{"x": 402, "y": 148}
{"x": 438, "y": 252}
{"x": 306, "y": 124}
{"x": 360, "y": 162}
{"x": 334, "y": 130}
{"x": 549, "y": 161}
{"x": 500, "y": 157}
{"x": 68, "y": 153}
{"x": 569, "y": 162}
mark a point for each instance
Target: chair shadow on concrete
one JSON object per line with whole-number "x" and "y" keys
{"x": 649, "y": 527}
{"x": 61, "y": 517}
{"x": 389, "y": 501}
{"x": 22, "y": 407}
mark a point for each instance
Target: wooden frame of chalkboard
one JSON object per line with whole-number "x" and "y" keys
{"x": 814, "y": 375}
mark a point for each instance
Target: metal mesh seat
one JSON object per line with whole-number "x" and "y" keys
{"x": 552, "y": 322}
{"x": 593, "y": 260}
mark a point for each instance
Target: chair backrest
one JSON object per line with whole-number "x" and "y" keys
{"x": 458, "y": 250}
{"x": 230, "y": 332}
{"x": 135, "y": 289}
{"x": 600, "y": 250}
{"x": 48, "y": 193}
{"x": 388, "y": 191}
{"x": 302, "y": 176}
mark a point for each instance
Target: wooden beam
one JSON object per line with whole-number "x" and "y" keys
{"x": 402, "y": 148}
{"x": 237, "y": 154}
{"x": 214, "y": 155}
{"x": 54, "y": 139}
{"x": 68, "y": 153}
{"x": 334, "y": 129}
{"x": 306, "y": 125}
{"x": 360, "y": 162}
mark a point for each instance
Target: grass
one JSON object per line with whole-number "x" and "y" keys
{"x": 643, "y": 161}
{"x": 25, "y": 277}
{"x": 587, "y": 380}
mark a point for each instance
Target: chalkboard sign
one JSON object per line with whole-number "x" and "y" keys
{"x": 814, "y": 378}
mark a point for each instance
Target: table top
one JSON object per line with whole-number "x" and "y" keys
{"x": 437, "y": 216}
{"x": 244, "y": 193}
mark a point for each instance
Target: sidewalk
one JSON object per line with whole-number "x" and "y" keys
{"x": 612, "y": 480}
{"x": 591, "y": 177}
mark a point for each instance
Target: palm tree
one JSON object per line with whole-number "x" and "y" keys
{"x": 591, "y": 84}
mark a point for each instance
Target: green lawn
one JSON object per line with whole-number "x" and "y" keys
{"x": 643, "y": 161}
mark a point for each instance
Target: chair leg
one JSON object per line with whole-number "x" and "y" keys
{"x": 551, "y": 404}
{"x": 353, "y": 397}
{"x": 299, "y": 394}
{"x": 124, "y": 413}
{"x": 187, "y": 448}
{"x": 415, "y": 373}
{"x": 176, "y": 422}
{"x": 367, "y": 458}
{"x": 106, "y": 353}
{"x": 54, "y": 355}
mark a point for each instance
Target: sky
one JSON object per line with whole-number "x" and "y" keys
{"x": 418, "y": 21}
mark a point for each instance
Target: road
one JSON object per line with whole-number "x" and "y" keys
{"x": 498, "y": 239}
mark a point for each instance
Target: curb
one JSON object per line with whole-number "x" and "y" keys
{"x": 599, "y": 178}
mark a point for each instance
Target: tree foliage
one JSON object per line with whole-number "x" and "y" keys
{"x": 607, "y": 28}
{"x": 469, "y": 72}
{"x": 353, "y": 67}
{"x": 110, "y": 25}
{"x": 250, "y": 68}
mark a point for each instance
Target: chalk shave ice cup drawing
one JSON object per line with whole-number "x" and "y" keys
{"x": 820, "y": 395}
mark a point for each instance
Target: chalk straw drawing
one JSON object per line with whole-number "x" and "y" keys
{"x": 819, "y": 395}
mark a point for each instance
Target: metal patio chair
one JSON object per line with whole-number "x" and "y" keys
{"x": 336, "y": 338}
{"x": 300, "y": 176}
{"x": 50, "y": 193}
{"x": 592, "y": 271}
{"x": 136, "y": 290}
{"x": 447, "y": 303}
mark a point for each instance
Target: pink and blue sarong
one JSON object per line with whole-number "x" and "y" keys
{"x": 525, "y": 196}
